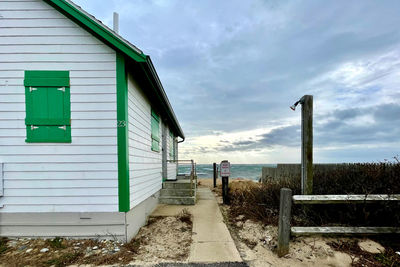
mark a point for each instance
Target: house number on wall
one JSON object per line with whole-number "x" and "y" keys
{"x": 121, "y": 123}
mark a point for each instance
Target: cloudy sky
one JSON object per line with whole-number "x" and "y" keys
{"x": 231, "y": 70}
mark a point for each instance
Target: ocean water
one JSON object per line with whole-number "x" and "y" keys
{"x": 249, "y": 171}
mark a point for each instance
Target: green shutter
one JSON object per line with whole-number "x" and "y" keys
{"x": 48, "y": 107}
{"x": 155, "y": 132}
{"x": 44, "y": 133}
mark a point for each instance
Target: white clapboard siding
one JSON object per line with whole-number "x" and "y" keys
{"x": 60, "y": 192}
{"x": 171, "y": 166}
{"x": 56, "y": 65}
{"x": 145, "y": 166}
{"x": 57, "y": 177}
{"x": 58, "y": 48}
{"x": 11, "y": 141}
{"x": 109, "y": 158}
{"x": 37, "y": 23}
{"x": 22, "y": 5}
{"x": 101, "y": 207}
{"x": 36, "y": 40}
{"x": 14, "y": 124}
{"x": 92, "y": 81}
{"x": 79, "y": 89}
{"x": 62, "y": 183}
{"x": 5, "y": 58}
{"x": 83, "y": 132}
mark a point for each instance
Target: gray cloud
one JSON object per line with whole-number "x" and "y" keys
{"x": 336, "y": 130}
{"x": 231, "y": 66}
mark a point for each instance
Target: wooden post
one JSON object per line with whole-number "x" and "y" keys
{"x": 225, "y": 189}
{"x": 215, "y": 174}
{"x": 307, "y": 145}
{"x": 285, "y": 207}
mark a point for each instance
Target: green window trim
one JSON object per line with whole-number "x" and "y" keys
{"x": 155, "y": 131}
{"x": 47, "y": 106}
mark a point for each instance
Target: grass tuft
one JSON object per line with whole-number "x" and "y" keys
{"x": 56, "y": 243}
{"x": 185, "y": 217}
{"x": 3, "y": 245}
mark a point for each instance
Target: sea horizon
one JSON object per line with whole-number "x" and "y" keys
{"x": 247, "y": 171}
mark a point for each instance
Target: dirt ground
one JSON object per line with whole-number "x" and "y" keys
{"x": 163, "y": 239}
{"x": 257, "y": 244}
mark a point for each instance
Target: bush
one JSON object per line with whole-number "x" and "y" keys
{"x": 260, "y": 202}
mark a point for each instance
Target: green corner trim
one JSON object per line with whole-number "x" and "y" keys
{"x": 122, "y": 133}
{"x": 95, "y": 28}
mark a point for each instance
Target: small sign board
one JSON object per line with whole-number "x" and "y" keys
{"x": 225, "y": 168}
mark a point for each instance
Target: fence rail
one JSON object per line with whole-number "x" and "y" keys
{"x": 342, "y": 199}
{"x": 286, "y": 200}
{"x": 335, "y": 230}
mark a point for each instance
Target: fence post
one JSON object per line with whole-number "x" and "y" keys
{"x": 307, "y": 145}
{"x": 285, "y": 207}
{"x": 215, "y": 174}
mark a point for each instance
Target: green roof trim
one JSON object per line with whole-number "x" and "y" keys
{"x": 90, "y": 24}
{"x": 132, "y": 53}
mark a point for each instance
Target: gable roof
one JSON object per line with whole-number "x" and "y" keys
{"x": 138, "y": 59}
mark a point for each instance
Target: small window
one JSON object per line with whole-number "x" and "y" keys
{"x": 155, "y": 132}
{"x": 171, "y": 146}
{"x": 48, "y": 107}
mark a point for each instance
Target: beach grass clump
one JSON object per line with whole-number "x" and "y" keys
{"x": 260, "y": 202}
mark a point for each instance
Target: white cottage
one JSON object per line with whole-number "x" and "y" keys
{"x": 86, "y": 130}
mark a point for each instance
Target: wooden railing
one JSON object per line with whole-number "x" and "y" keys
{"x": 286, "y": 200}
{"x": 192, "y": 174}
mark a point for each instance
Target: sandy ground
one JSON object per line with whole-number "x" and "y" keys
{"x": 256, "y": 243}
{"x": 163, "y": 239}
{"x": 208, "y": 182}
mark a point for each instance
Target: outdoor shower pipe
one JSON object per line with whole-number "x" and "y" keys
{"x": 301, "y": 101}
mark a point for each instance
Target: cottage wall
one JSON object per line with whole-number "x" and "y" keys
{"x": 145, "y": 165}
{"x": 49, "y": 177}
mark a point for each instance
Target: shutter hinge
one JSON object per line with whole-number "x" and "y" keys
{"x": 34, "y": 127}
{"x": 63, "y": 127}
{"x": 32, "y": 89}
{"x": 61, "y": 89}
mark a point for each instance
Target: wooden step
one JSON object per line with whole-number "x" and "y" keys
{"x": 178, "y": 200}
{"x": 177, "y": 192}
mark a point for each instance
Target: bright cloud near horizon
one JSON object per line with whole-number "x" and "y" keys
{"x": 231, "y": 69}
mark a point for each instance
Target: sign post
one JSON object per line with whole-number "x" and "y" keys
{"x": 215, "y": 174}
{"x": 225, "y": 169}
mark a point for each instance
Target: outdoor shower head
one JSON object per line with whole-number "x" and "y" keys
{"x": 301, "y": 101}
{"x": 293, "y": 107}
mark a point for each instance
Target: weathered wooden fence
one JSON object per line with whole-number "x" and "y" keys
{"x": 286, "y": 201}
{"x": 291, "y": 171}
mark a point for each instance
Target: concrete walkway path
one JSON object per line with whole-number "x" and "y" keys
{"x": 212, "y": 241}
